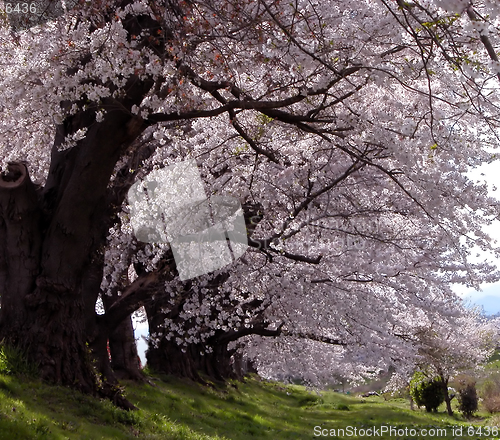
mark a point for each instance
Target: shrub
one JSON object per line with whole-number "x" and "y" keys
{"x": 467, "y": 396}
{"x": 310, "y": 400}
{"x": 427, "y": 392}
{"x": 14, "y": 361}
{"x": 494, "y": 421}
{"x": 490, "y": 393}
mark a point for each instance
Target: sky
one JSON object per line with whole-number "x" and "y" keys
{"x": 140, "y": 330}
{"x": 489, "y": 295}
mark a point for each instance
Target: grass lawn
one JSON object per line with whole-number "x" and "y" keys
{"x": 177, "y": 409}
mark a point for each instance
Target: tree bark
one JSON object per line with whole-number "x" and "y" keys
{"x": 52, "y": 239}
{"x": 20, "y": 245}
{"x": 212, "y": 359}
{"x": 193, "y": 361}
{"x": 50, "y": 330}
{"x": 444, "y": 383}
{"x": 124, "y": 356}
{"x": 49, "y": 246}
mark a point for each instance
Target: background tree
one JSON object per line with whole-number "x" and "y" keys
{"x": 445, "y": 348}
{"x": 467, "y": 396}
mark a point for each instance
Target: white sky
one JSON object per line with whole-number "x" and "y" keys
{"x": 491, "y": 174}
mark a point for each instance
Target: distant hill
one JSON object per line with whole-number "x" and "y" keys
{"x": 489, "y": 302}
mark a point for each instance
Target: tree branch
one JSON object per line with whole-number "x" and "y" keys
{"x": 484, "y": 39}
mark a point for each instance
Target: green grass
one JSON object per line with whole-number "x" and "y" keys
{"x": 179, "y": 409}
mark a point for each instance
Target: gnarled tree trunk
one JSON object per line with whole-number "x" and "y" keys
{"x": 193, "y": 361}
{"x": 20, "y": 246}
{"x": 51, "y": 238}
{"x": 40, "y": 314}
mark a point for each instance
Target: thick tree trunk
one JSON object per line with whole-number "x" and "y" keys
{"x": 58, "y": 333}
{"x": 48, "y": 246}
{"x": 169, "y": 359}
{"x": 51, "y": 328}
{"x": 51, "y": 241}
{"x": 20, "y": 246}
{"x": 124, "y": 356}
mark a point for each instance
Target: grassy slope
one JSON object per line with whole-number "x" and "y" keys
{"x": 175, "y": 409}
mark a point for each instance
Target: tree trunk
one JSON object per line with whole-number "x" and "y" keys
{"x": 20, "y": 246}
{"x": 168, "y": 358}
{"x": 242, "y": 366}
{"x": 50, "y": 240}
{"x": 444, "y": 384}
{"x": 192, "y": 361}
{"x": 162, "y": 355}
{"x": 211, "y": 359}
{"x": 37, "y": 315}
{"x": 124, "y": 356}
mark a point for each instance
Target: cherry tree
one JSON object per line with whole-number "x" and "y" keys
{"x": 349, "y": 131}
{"x": 448, "y": 347}
{"x": 462, "y": 347}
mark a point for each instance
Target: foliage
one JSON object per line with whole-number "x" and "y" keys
{"x": 14, "y": 361}
{"x": 310, "y": 400}
{"x": 426, "y": 391}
